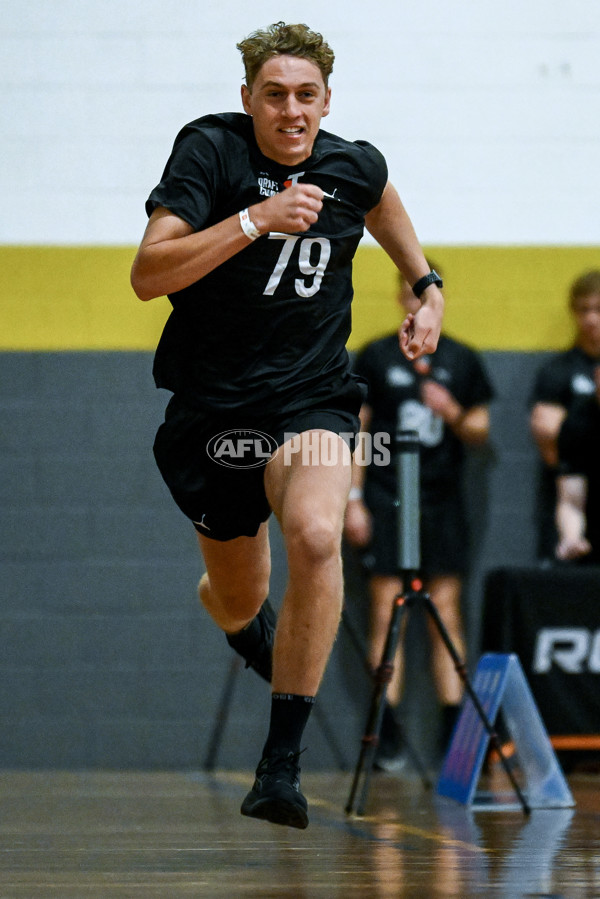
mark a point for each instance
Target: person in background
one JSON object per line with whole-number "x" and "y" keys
{"x": 578, "y": 481}
{"x": 560, "y": 383}
{"x": 252, "y": 231}
{"x": 444, "y": 398}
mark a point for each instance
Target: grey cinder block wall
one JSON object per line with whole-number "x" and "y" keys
{"x": 106, "y": 658}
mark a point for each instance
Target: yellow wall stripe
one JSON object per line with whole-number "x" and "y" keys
{"x": 498, "y": 298}
{"x": 74, "y": 298}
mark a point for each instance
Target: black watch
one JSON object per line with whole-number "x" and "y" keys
{"x": 424, "y": 282}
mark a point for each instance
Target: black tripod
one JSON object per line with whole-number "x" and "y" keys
{"x": 409, "y": 562}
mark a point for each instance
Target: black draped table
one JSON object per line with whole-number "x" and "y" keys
{"x": 550, "y": 617}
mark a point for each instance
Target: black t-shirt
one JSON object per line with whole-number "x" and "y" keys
{"x": 394, "y": 397}
{"x": 564, "y": 378}
{"x": 267, "y": 329}
{"x": 579, "y": 454}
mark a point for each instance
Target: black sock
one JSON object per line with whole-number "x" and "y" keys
{"x": 247, "y": 638}
{"x": 255, "y": 642}
{"x": 289, "y": 717}
{"x": 449, "y": 718}
{"x": 390, "y": 735}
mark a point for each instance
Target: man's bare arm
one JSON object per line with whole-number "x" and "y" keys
{"x": 570, "y": 517}
{"x": 172, "y": 255}
{"x": 545, "y": 422}
{"x": 391, "y": 227}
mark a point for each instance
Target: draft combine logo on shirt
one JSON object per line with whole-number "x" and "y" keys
{"x": 267, "y": 187}
{"x": 241, "y": 448}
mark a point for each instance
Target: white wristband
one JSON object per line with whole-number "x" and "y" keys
{"x": 355, "y": 493}
{"x": 248, "y": 226}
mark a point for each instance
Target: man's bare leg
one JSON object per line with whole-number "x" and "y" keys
{"x": 308, "y": 498}
{"x": 309, "y": 501}
{"x": 236, "y": 582}
{"x": 383, "y": 590}
{"x": 445, "y": 591}
{"x": 234, "y": 592}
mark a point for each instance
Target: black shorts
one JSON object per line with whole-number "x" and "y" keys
{"x": 444, "y": 541}
{"x": 214, "y": 466}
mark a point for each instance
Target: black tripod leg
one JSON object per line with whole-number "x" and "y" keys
{"x": 356, "y": 641}
{"x": 462, "y": 673}
{"x": 330, "y": 736}
{"x": 411, "y": 752}
{"x": 222, "y": 714}
{"x": 370, "y": 740}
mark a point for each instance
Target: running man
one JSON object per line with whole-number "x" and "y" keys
{"x": 251, "y": 233}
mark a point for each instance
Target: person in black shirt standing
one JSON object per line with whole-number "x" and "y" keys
{"x": 251, "y": 234}
{"x": 444, "y": 399}
{"x": 562, "y": 382}
{"x": 578, "y": 481}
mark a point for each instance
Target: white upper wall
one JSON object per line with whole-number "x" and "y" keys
{"x": 488, "y": 113}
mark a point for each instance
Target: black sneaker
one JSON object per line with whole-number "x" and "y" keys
{"x": 255, "y": 642}
{"x": 276, "y": 795}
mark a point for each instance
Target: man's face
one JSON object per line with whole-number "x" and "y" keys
{"x": 287, "y": 102}
{"x": 587, "y": 317}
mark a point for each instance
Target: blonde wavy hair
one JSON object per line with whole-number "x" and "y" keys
{"x": 281, "y": 39}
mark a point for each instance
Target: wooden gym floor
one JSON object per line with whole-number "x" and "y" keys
{"x": 149, "y": 835}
